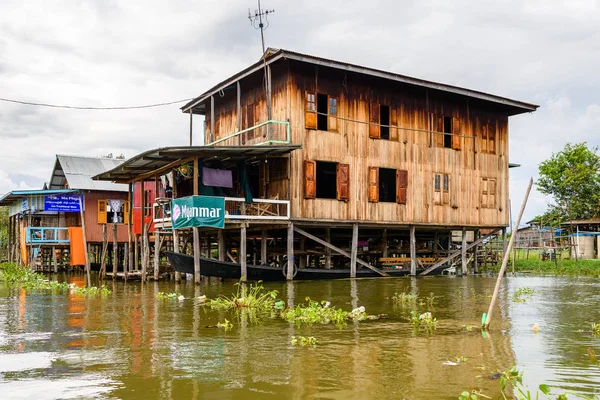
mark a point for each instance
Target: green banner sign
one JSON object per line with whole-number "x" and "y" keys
{"x": 191, "y": 211}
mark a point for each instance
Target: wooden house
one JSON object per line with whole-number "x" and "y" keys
{"x": 46, "y": 225}
{"x": 374, "y": 162}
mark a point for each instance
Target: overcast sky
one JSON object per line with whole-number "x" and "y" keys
{"x": 120, "y": 53}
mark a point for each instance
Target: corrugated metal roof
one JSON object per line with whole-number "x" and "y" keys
{"x": 273, "y": 55}
{"x": 78, "y": 171}
{"x": 9, "y": 197}
{"x": 155, "y": 159}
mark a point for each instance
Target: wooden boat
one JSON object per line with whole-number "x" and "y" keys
{"x": 210, "y": 267}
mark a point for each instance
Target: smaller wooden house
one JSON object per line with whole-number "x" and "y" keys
{"x": 45, "y": 226}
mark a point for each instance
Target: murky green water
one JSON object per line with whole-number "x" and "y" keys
{"x": 132, "y": 346}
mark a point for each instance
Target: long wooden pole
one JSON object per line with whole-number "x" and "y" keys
{"x": 196, "y": 233}
{"x": 413, "y": 251}
{"x": 243, "y": 253}
{"x": 505, "y": 259}
{"x": 354, "y": 251}
{"x": 87, "y": 256}
{"x": 290, "y": 252}
{"x": 115, "y": 251}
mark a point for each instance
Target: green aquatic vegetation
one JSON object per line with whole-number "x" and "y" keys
{"x": 317, "y": 313}
{"x": 404, "y": 299}
{"x": 254, "y": 298}
{"x": 303, "y": 341}
{"x": 425, "y": 321}
{"x": 225, "y": 325}
{"x": 461, "y": 359}
{"x": 595, "y": 329}
{"x": 514, "y": 378}
{"x": 521, "y": 294}
{"x": 472, "y": 395}
{"x": 13, "y": 274}
{"x": 469, "y": 328}
{"x": 168, "y": 296}
{"x": 592, "y": 355}
{"x": 91, "y": 291}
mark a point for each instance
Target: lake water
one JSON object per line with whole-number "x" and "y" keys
{"x": 130, "y": 345}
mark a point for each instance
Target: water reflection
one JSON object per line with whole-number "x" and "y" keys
{"x": 132, "y": 345}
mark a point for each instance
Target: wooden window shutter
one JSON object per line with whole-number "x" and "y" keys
{"x": 343, "y": 182}
{"x": 438, "y": 126}
{"x": 394, "y": 123}
{"x": 126, "y": 212}
{"x": 374, "y": 129}
{"x": 491, "y": 139}
{"x": 333, "y": 114}
{"x": 446, "y": 189}
{"x": 484, "y": 193}
{"x": 310, "y": 112}
{"x": 456, "y": 138}
{"x": 102, "y": 215}
{"x": 484, "y": 138}
{"x": 492, "y": 193}
{"x": 374, "y": 184}
{"x": 310, "y": 182}
{"x": 401, "y": 186}
{"x": 437, "y": 189}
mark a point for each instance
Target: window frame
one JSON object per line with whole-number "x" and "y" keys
{"x": 441, "y": 189}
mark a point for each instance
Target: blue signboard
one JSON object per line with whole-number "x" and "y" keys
{"x": 63, "y": 202}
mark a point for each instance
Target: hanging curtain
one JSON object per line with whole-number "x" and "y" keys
{"x": 244, "y": 182}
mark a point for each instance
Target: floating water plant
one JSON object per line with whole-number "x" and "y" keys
{"x": 425, "y": 321}
{"x": 316, "y": 313}
{"x": 90, "y": 291}
{"x": 521, "y": 294}
{"x": 404, "y": 299}
{"x": 18, "y": 275}
{"x": 225, "y": 325}
{"x": 167, "y": 296}
{"x": 472, "y": 395}
{"x": 254, "y": 298}
{"x": 592, "y": 355}
{"x": 303, "y": 341}
{"x": 595, "y": 329}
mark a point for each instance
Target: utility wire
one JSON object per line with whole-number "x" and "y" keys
{"x": 28, "y": 103}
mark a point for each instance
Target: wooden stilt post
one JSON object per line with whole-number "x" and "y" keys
{"x": 243, "y": 256}
{"x": 54, "y": 260}
{"x": 354, "y": 251}
{"x": 115, "y": 251}
{"x": 327, "y": 249}
{"x": 136, "y": 254}
{"x": 196, "y": 233}
{"x": 302, "y": 263}
{"x": 463, "y": 251}
{"x": 104, "y": 252}
{"x": 156, "y": 254}
{"x": 126, "y": 260}
{"x": 290, "y": 252}
{"x": 413, "y": 251}
{"x": 435, "y": 244}
{"x": 263, "y": 247}
{"x": 503, "y": 242}
{"x": 384, "y": 239}
{"x": 221, "y": 245}
{"x": 129, "y": 247}
{"x": 176, "y": 250}
{"x": 505, "y": 259}
{"x": 144, "y": 251}
{"x": 87, "y": 256}
{"x": 475, "y": 251}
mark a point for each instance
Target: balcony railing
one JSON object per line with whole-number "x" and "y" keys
{"x": 41, "y": 235}
{"x": 266, "y": 133}
{"x": 237, "y": 209}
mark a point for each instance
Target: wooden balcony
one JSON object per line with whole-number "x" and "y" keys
{"x": 266, "y": 133}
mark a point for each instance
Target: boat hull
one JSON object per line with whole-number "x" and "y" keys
{"x": 223, "y": 269}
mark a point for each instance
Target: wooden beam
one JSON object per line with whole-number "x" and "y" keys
{"x": 455, "y": 254}
{"x": 196, "y": 233}
{"x": 87, "y": 256}
{"x": 354, "y": 251}
{"x": 463, "y": 251}
{"x": 385, "y": 244}
{"x": 435, "y": 244}
{"x": 115, "y": 251}
{"x": 176, "y": 250}
{"x": 413, "y": 251}
{"x": 263, "y": 246}
{"x": 290, "y": 252}
{"x": 156, "y": 254}
{"x": 243, "y": 256}
{"x": 327, "y": 249}
{"x": 239, "y": 111}
{"x": 195, "y": 177}
{"x": 475, "y": 250}
{"x": 221, "y": 244}
{"x": 212, "y": 120}
{"x": 338, "y": 250}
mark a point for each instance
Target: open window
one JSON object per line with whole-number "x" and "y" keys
{"x": 488, "y": 192}
{"x": 488, "y": 139}
{"x": 382, "y": 120}
{"x": 441, "y": 189}
{"x": 321, "y": 112}
{"x": 326, "y": 180}
{"x": 107, "y": 215}
{"x": 387, "y": 185}
{"x": 447, "y": 132}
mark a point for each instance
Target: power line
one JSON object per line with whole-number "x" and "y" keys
{"x": 28, "y": 103}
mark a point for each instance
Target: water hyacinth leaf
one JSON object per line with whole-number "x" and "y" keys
{"x": 592, "y": 356}
{"x": 545, "y": 389}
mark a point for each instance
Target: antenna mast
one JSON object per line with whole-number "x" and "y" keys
{"x": 256, "y": 20}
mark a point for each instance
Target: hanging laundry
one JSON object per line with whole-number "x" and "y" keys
{"x": 217, "y": 177}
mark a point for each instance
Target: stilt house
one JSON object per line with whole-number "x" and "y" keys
{"x": 326, "y": 156}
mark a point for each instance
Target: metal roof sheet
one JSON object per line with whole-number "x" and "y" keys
{"x": 9, "y": 197}
{"x": 77, "y": 172}
{"x": 273, "y": 55}
{"x": 155, "y": 159}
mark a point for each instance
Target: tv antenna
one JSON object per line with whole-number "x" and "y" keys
{"x": 260, "y": 20}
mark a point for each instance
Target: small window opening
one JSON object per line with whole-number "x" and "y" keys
{"x": 384, "y": 120}
{"x": 448, "y": 132}
{"x": 387, "y": 185}
{"x": 326, "y": 180}
{"x": 110, "y": 214}
{"x": 322, "y": 108}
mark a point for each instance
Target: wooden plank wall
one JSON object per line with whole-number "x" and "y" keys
{"x": 92, "y": 227}
{"x": 408, "y": 150}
